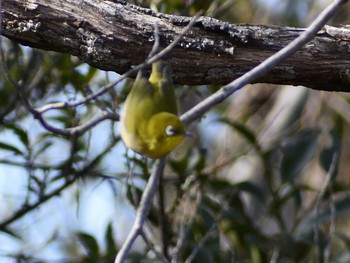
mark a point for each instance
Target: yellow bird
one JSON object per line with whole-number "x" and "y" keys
{"x": 149, "y": 122}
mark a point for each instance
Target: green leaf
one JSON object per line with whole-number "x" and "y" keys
{"x": 42, "y": 147}
{"x": 225, "y": 188}
{"x": 141, "y": 163}
{"x": 342, "y": 257}
{"x": 202, "y": 158}
{"x": 219, "y": 185}
{"x": 11, "y": 233}
{"x": 204, "y": 255}
{"x": 205, "y": 213}
{"x": 90, "y": 244}
{"x": 342, "y": 207}
{"x": 11, "y": 148}
{"x": 111, "y": 247}
{"x": 37, "y": 180}
{"x": 19, "y": 132}
{"x": 285, "y": 195}
{"x": 346, "y": 240}
{"x": 297, "y": 152}
{"x": 251, "y": 188}
{"x": 132, "y": 193}
{"x": 330, "y": 156}
{"x": 290, "y": 247}
{"x": 242, "y": 129}
{"x": 180, "y": 166}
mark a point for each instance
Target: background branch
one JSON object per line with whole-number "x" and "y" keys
{"x": 71, "y": 177}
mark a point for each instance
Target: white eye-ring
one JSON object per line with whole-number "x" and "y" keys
{"x": 170, "y": 131}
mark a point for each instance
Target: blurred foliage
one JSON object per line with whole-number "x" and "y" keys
{"x": 264, "y": 178}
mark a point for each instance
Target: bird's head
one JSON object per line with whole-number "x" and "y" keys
{"x": 165, "y": 132}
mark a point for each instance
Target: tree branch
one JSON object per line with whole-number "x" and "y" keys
{"x": 142, "y": 211}
{"x": 116, "y": 35}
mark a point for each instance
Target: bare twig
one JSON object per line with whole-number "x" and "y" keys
{"x": 213, "y": 231}
{"x": 275, "y": 255}
{"x": 142, "y": 211}
{"x": 331, "y": 231}
{"x": 183, "y": 229}
{"x": 163, "y": 218}
{"x": 156, "y": 41}
{"x": 327, "y": 185}
{"x": 78, "y": 130}
{"x": 202, "y": 107}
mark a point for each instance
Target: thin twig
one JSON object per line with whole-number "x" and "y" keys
{"x": 142, "y": 211}
{"x": 327, "y": 184}
{"x": 333, "y": 210}
{"x": 156, "y": 41}
{"x": 275, "y": 255}
{"x": 78, "y": 130}
{"x": 163, "y": 218}
{"x": 202, "y": 107}
{"x": 211, "y": 232}
{"x": 183, "y": 230}
{"x": 11, "y": 105}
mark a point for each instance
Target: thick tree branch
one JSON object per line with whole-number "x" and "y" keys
{"x": 116, "y": 35}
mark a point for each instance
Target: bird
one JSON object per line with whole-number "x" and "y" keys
{"x": 149, "y": 118}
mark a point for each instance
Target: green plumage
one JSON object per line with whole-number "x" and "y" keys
{"x": 149, "y": 110}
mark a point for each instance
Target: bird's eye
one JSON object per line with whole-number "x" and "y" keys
{"x": 170, "y": 131}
